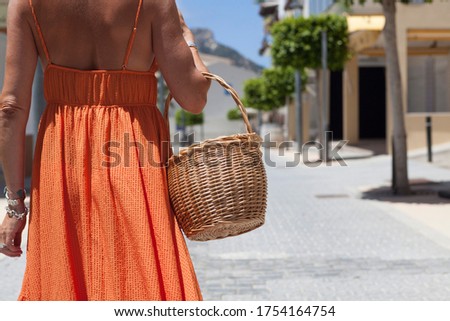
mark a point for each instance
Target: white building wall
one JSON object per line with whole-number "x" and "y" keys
{"x": 281, "y": 11}
{"x": 220, "y": 102}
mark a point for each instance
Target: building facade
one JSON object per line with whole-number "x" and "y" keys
{"x": 359, "y": 106}
{"x": 423, "y": 41}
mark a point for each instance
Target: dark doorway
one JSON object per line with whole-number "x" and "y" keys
{"x": 336, "y": 112}
{"x": 372, "y": 103}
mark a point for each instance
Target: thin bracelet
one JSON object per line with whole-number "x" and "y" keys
{"x": 192, "y": 44}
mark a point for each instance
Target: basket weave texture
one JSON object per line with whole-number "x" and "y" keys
{"x": 218, "y": 188}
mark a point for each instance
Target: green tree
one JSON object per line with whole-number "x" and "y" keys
{"x": 234, "y": 114}
{"x": 269, "y": 91}
{"x": 297, "y": 42}
{"x": 189, "y": 118}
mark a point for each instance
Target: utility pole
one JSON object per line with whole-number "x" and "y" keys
{"x": 299, "y": 9}
{"x": 430, "y": 92}
{"x": 299, "y": 109}
{"x": 325, "y": 96}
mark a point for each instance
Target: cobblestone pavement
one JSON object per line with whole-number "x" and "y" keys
{"x": 321, "y": 241}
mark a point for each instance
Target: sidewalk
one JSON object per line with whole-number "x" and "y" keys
{"x": 331, "y": 233}
{"x": 440, "y": 157}
{"x": 324, "y": 241}
{"x": 312, "y": 154}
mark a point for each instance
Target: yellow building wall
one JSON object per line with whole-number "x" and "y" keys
{"x": 415, "y": 127}
{"x": 351, "y": 101}
{"x": 423, "y": 16}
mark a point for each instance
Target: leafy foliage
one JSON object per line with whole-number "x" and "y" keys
{"x": 189, "y": 118}
{"x": 234, "y": 114}
{"x": 271, "y": 89}
{"x": 297, "y": 41}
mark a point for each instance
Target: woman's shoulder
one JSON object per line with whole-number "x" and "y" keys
{"x": 19, "y": 6}
{"x": 159, "y": 10}
{"x": 158, "y": 5}
{"x": 20, "y": 9}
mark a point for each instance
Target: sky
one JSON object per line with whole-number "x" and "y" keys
{"x": 235, "y": 23}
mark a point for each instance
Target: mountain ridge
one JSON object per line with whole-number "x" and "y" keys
{"x": 207, "y": 44}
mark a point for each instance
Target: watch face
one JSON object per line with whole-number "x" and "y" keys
{"x": 21, "y": 193}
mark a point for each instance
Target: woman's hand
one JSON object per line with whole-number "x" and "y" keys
{"x": 11, "y": 236}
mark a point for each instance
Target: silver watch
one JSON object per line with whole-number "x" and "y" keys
{"x": 192, "y": 44}
{"x": 22, "y": 193}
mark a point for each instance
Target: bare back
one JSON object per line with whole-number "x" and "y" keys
{"x": 96, "y": 35}
{"x": 93, "y": 34}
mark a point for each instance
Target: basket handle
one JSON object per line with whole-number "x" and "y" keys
{"x": 228, "y": 88}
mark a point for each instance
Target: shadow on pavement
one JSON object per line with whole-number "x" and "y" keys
{"x": 423, "y": 192}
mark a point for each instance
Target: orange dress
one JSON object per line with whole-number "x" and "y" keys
{"x": 101, "y": 226}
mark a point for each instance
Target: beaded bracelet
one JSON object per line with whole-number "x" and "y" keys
{"x": 12, "y": 213}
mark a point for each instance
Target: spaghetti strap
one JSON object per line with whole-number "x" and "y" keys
{"x": 133, "y": 35}
{"x": 39, "y": 31}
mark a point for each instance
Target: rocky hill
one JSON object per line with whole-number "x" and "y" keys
{"x": 208, "y": 45}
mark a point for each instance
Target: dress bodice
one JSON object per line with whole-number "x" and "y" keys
{"x": 68, "y": 86}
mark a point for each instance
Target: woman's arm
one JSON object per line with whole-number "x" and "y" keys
{"x": 21, "y": 59}
{"x": 180, "y": 64}
{"x": 189, "y": 37}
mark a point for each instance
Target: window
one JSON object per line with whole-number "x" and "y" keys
{"x": 428, "y": 83}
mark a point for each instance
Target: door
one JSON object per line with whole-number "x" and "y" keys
{"x": 372, "y": 103}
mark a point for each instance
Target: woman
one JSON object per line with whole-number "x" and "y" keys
{"x": 100, "y": 225}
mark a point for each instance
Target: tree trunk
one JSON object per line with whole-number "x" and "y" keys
{"x": 400, "y": 170}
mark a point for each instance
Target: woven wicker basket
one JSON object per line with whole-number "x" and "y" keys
{"x": 218, "y": 188}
